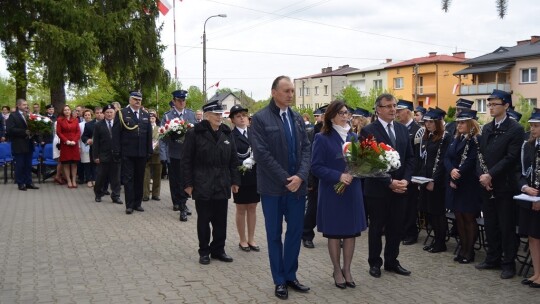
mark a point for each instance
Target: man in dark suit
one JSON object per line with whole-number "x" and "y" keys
{"x": 498, "y": 161}
{"x": 22, "y": 145}
{"x": 174, "y": 152}
{"x": 2, "y": 129}
{"x": 108, "y": 168}
{"x": 404, "y": 115}
{"x": 282, "y": 151}
{"x": 386, "y": 197}
{"x": 132, "y": 142}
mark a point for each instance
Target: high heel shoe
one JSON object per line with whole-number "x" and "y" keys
{"x": 350, "y": 284}
{"x": 339, "y": 285}
{"x": 465, "y": 260}
{"x": 59, "y": 180}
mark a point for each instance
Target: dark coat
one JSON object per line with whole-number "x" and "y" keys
{"x": 16, "y": 128}
{"x": 528, "y": 174}
{"x": 337, "y": 214}
{"x": 271, "y": 154}
{"x": 451, "y": 128}
{"x": 2, "y": 126}
{"x": 466, "y": 198}
{"x": 132, "y": 136}
{"x": 379, "y": 187}
{"x": 433, "y": 201}
{"x": 242, "y": 143}
{"x": 501, "y": 150}
{"x": 102, "y": 142}
{"x": 210, "y": 166}
{"x": 88, "y": 134}
{"x": 413, "y": 128}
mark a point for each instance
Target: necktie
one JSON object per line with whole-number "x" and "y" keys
{"x": 291, "y": 148}
{"x": 245, "y": 133}
{"x": 391, "y": 135}
{"x": 286, "y": 125}
{"x": 110, "y": 127}
{"x": 137, "y": 115}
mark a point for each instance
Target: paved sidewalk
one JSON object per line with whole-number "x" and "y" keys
{"x": 58, "y": 246}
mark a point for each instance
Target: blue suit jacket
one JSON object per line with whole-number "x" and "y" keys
{"x": 378, "y": 187}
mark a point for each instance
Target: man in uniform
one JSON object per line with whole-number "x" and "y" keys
{"x": 198, "y": 116}
{"x": 50, "y": 112}
{"x": 419, "y": 113}
{"x": 460, "y": 105}
{"x": 498, "y": 161}
{"x": 108, "y": 168}
{"x": 132, "y": 142}
{"x": 174, "y": 153}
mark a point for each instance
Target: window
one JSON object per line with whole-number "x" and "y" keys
{"x": 529, "y": 75}
{"x": 300, "y": 93}
{"x": 377, "y": 84}
{"x": 316, "y": 105}
{"x": 325, "y": 90}
{"x": 317, "y": 90}
{"x": 306, "y": 91}
{"x": 481, "y": 105}
{"x": 398, "y": 83}
{"x": 531, "y": 101}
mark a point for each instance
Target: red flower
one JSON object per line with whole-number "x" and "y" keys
{"x": 375, "y": 147}
{"x": 385, "y": 147}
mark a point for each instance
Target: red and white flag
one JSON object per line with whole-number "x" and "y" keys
{"x": 164, "y": 6}
{"x": 455, "y": 89}
{"x": 214, "y": 85}
{"x": 427, "y": 101}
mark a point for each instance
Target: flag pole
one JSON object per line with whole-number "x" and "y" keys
{"x": 174, "y": 29}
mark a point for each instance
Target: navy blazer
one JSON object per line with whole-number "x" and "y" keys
{"x": 170, "y": 148}
{"x": 379, "y": 187}
{"x": 16, "y": 129}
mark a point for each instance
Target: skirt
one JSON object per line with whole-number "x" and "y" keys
{"x": 247, "y": 195}
{"x": 529, "y": 223}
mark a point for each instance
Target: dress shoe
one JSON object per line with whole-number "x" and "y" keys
{"x": 339, "y": 285}
{"x": 350, "y": 284}
{"x": 244, "y": 248}
{"x": 183, "y": 216}
{"x": 375, "y": 271}
{"x": 186, "y": 209}
{"x": 204, "y": 259}
{"x": 176, "y": 208}
{"x": 427, "y": 247}
{"x": 526, "y": 282}
{"x": 22, "y": 187}
{"x": 486, "y": 265}
{"x": 31, "y": 186}
{"x": 222, "y": 257}
{"x": 534, "y": 285}
{"x": 117, "y": 201}
{"x": 398, "y": 269}
{"x": 508, "y": 273}
{"x": 140, "y": 209}
{"x": 145, "y": 199}
{"x": 458, "y": 258}
{"x": 308, "y": 243}
{"x": 254, "y": 247}
{"x": 156, "y": 198}
{"x": 98, "y": 199}
{"x": 437, "y": 249}
{"x": 282, "y": 292}
{"x": 410, "y": 241}
{"x": 129, "y": 211}
{"x": 297, "y": 286}
{"x": 465, "y": 260}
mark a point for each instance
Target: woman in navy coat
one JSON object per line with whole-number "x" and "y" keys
{"x": 339, "y": 216}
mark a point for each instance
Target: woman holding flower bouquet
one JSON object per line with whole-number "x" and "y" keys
{"x": 67, "y": 129}
{"x": 339, "y": 216}
{"x": 246, "y": 198}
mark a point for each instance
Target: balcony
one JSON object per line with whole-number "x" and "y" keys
{"x": 483, "y": 88}
{"x": 426, "y": 90}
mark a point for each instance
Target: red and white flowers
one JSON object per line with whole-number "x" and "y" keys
{"x": 175, "y": 129}
{"x": 39, "y": 125}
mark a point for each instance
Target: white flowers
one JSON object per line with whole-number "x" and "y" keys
{"x": 392, "y": 159}
{"x": 175, "y": 126}
{"x": 248, "y": 163}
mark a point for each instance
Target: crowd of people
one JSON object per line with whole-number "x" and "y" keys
{"x": 279, "y": 158}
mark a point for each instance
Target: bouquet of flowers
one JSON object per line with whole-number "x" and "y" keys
{"x": 247, "y": 164}
{"x": 175, "y": 129}
{"x": 39, "y": 125}
{"x": 368, "y": 158}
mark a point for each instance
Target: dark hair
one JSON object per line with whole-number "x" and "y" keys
{"x": 277, "y": 80}
{"x": 6, "y": 107}
{"x": 98, "y": 108}
{"x": 62, "y": 111}
{"x": 331, "y": 112}
{"x": 439, "y": 131}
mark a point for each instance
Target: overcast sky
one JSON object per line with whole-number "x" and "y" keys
{"x": 256, "y": 35}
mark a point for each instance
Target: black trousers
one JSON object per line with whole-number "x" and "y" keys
{"x": 211, "y": 212}
{"x": 411, "y": 212}
{"x": 500, "y": 225}
{"x": 385, "y": 213}
{"x": 310, "y": 218}
{"x": 176, "y": 176}
{"x": 133, "y": 180}
{"x": 108, "y": 172}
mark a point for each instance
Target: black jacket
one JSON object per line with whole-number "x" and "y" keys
{"x": 242, "y": 143}
{"x": 102, "y": 142}
{"x": 132, "y": 136}
{"x": 210, "y": 166}
{"x": 88, "y": 134}
{"x": 16, "y": 128}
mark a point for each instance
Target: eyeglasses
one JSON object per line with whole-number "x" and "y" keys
{"x": 390, "y": 106}
{"x": 343, "y": 113}
{"x": 491, "y": 105}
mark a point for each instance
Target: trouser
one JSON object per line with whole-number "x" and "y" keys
{"x": 385, "y": 213}
{"x": 89, "y": 172}
{"x": 411, "y": 213}
{"x": 178, "y": 195}
{"x": 133, "y": 179}
{"x": 152, "y": 171}
{"x": 310, "y": 218}
{"x": 23, "y": 168}
{"x": 500, "y": 225}
{"x": 212, "y": 212}
{"x": 283, "y": 255}
{"x": 108, "y": 172}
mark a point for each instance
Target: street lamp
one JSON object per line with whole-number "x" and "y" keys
{"x": 204, "y": 52}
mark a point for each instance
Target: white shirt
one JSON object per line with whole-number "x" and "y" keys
{"x": 385, "y": 125}
{"x": 500, "y": 122}
{"x": 288, "y": 118}
{"x": 241, "y": 130}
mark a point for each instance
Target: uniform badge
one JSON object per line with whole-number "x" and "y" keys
{"x": 226, "y": 142}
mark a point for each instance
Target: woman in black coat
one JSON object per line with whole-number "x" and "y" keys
{"x": 463, "y": 193}
{"x": 210, "y": 173}
{"x": 432, "y": 151}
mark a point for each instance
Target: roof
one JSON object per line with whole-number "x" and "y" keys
{"x": 428, "y": 59}
{"x": 378, "y": 67}
{"x": 341, "y": 71}
{"x": 503, "y": 53}
{"x": 478, "y": 69}
{"x": 221, "y": 97}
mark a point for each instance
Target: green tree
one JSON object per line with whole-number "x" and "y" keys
{"x": 7, "y": 92}
{"x": 526, "y": 109}
{"x": 195, "y": 98}
{"x": 351, "y": 96}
